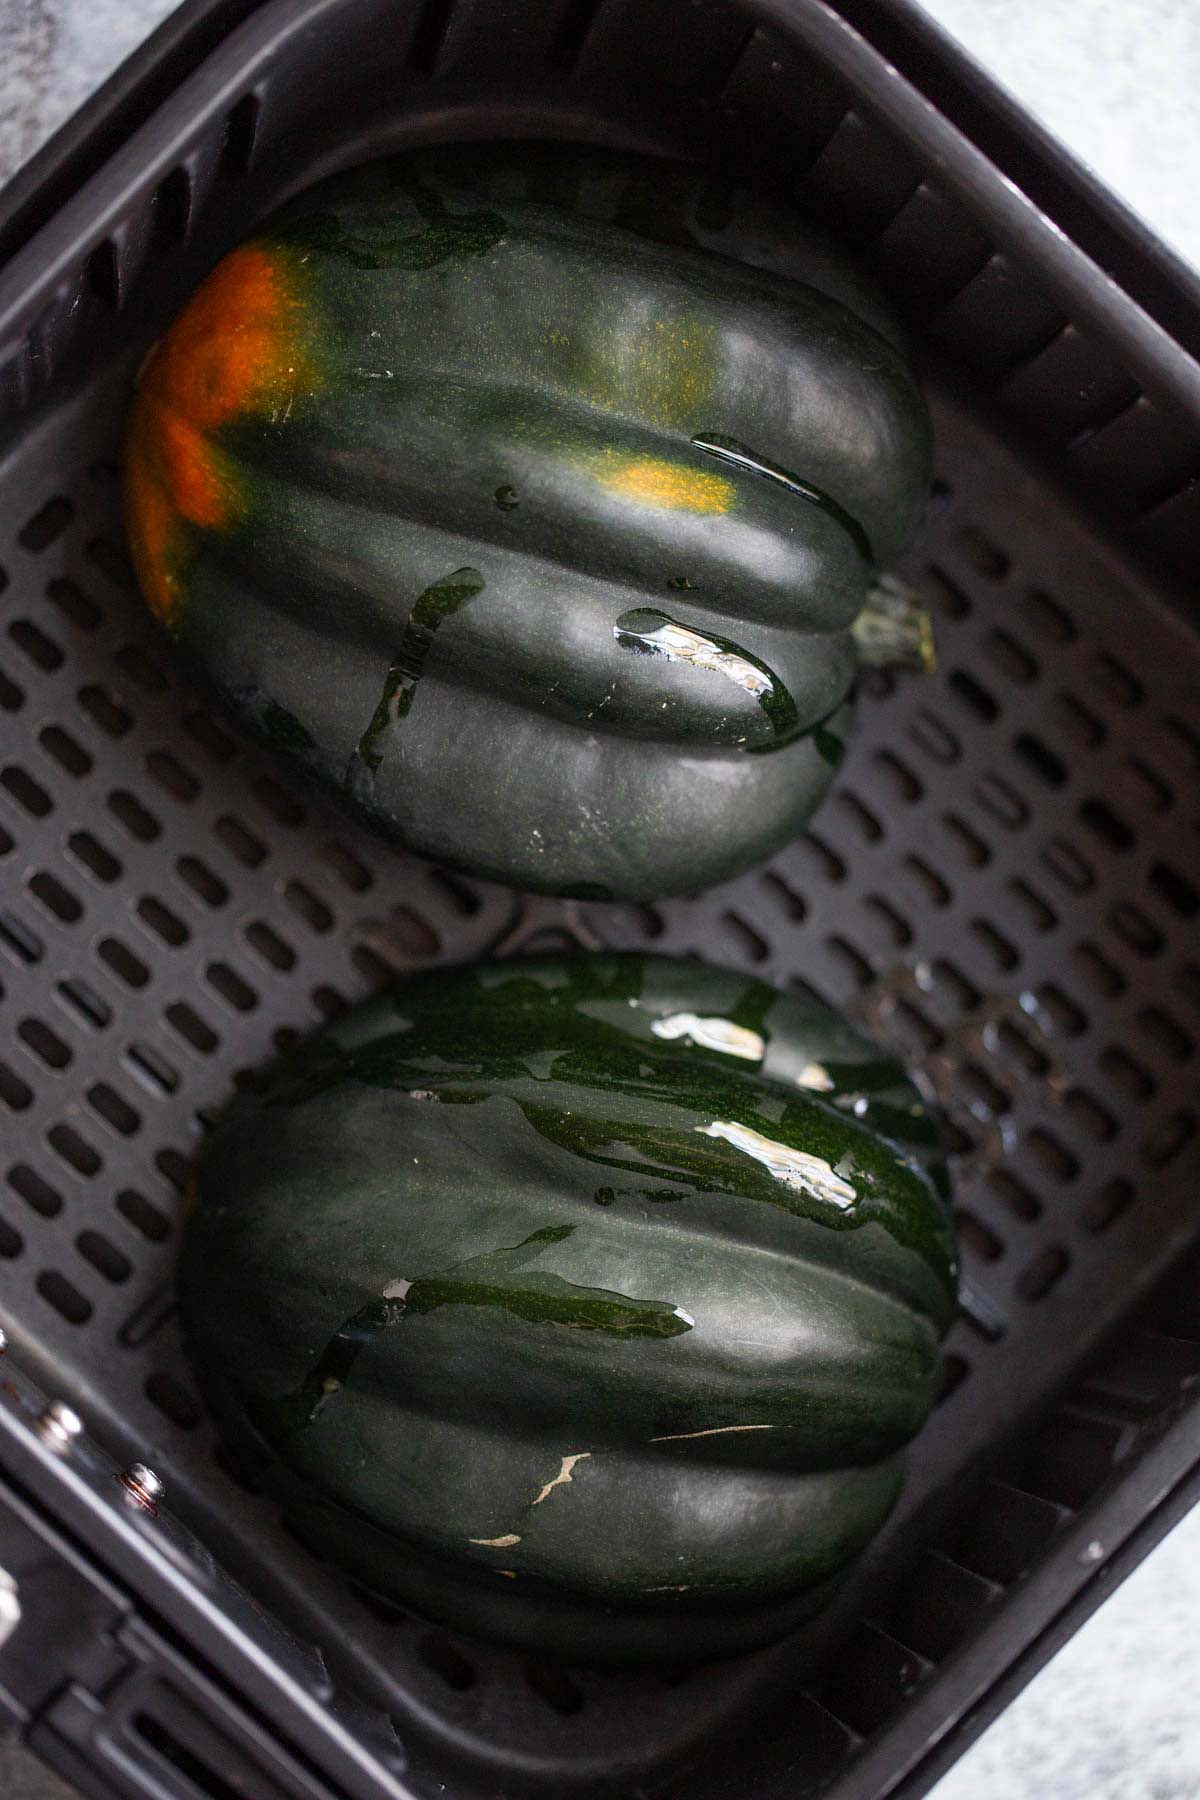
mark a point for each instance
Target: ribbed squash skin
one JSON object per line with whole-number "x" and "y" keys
{"x": 583, "y": 1303}
{"x": 527, "y": 497}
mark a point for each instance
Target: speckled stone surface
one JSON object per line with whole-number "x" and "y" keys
{"x": 1116, "y": 1714}
{"x": 1118, "y": 81}
{"x": 53, "y": 55}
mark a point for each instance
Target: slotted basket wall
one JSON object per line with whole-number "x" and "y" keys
{"x": 1005, "y": 882}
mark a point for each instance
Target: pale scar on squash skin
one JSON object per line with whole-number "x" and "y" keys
{"x": 679, "y": 1437}
{"x": 564, "y": 1474}
{"x": 562, "y": 1479}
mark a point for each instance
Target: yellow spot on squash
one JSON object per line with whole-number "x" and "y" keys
{"x": 235, "y": 349}
{"x": 656, "y": 367}
{"x": 653, "y": 481}
{"x": 672, "y": 369}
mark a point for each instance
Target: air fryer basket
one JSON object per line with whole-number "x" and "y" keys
{"x": 1005, "y": 883}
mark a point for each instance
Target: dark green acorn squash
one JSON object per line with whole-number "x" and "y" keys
{"x": 528, "y": 499}
{"x": 585, "y": 1303}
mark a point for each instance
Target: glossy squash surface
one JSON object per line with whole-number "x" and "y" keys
{"x": 527, "y": 497}
{"x": 586, "y": 1303}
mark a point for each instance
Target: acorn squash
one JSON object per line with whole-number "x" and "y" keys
{"x": 528, "y": 498}
{"x": 585, "y": 1303}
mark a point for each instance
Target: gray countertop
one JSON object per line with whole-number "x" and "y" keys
{"x": 1116, "y": 1714}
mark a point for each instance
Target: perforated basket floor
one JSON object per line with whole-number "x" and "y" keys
{"x": 1005, "y": 884}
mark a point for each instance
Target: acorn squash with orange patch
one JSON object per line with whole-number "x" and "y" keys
{"x": 529, "y": 498}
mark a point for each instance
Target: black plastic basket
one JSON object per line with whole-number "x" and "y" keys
{"x": 1006, "y": 884}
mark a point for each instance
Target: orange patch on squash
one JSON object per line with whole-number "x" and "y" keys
{"x": 236, "y": 349}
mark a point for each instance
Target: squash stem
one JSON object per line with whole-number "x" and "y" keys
{"x": 894, "y": 628}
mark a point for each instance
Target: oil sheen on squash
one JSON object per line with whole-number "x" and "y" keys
{"x": 586, "y": 1303}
